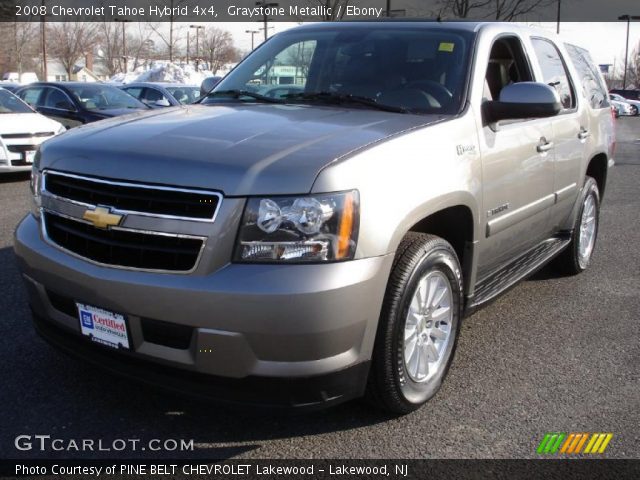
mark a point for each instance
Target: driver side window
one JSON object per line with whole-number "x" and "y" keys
{"x": 507, "y": 65}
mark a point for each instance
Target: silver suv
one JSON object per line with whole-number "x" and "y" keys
{"x": 307, "y": 248}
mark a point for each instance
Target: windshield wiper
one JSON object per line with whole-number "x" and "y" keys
{"x": 244, "y": 93}
{"x": 341, "y": 98}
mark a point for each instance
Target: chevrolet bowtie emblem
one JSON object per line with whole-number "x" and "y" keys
{"x": 102, "y": 217}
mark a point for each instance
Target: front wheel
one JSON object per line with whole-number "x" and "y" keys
{"x": 577, "y": 256}
{"x": 418, "y": 325}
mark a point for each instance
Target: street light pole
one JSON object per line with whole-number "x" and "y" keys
{"x": 198, "y": 28}
{"x": 558, "y": 17}
{"x": 252, "y": 32}
{"x": 265, "y": 18}
{"x": 628, "y": 19}
{"x": 44, "y": 47}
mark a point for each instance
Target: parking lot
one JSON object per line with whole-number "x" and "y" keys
{"x": 554, "y": 354}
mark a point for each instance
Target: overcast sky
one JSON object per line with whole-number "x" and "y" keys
{"x": 605, "y": 40}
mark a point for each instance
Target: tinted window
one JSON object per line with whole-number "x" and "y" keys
{"x": 57, "y": 99}
{"x": 31, "y": 95}
{"x": 185, "y": 94}
{"x": 593, "y": 85}
{"x": 9, "y": 103}
{"x": 103, "y": 97}
{"x": 554, "y": 71}
{"x": 134, "y": 92}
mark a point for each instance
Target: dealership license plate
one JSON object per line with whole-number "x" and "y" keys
{"x": 102, "y": 326}
{"x": 29, "y": 156}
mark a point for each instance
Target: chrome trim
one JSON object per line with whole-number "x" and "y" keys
{"x": 135, "y": 185}
{"x": 48, "y": 240}
{"x": 503, "y": 222}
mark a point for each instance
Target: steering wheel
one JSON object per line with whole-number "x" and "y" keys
{"x": 435, "y": 89}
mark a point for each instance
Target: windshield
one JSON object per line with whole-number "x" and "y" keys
{"x": 103, "y": 97}
{"x": 420, "y": 69}
{"x": 9, "y": 103}
{"x": 185, "y": 94}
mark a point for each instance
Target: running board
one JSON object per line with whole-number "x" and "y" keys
{"x": 523, "y": 266}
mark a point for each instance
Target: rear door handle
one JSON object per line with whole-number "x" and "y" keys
{"x": 544, "y": 146}
{"x": 584, "y": 134}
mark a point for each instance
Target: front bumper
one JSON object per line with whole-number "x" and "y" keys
{"x": 246, "y": 324}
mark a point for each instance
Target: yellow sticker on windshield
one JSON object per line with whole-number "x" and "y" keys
{"x": 446, "y": 47}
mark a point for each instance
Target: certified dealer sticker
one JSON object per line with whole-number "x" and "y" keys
{"x": 102, "y": 326}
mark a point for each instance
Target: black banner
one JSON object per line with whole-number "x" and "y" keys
{"x": 548, "y": 469}
{"x": 311, "y": 10}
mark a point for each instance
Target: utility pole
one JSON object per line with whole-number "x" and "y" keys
{"x": 188, "y": 37}
{"x": 124, "y": 42}
{"x": 198, "y": 28}
{"x": 44, "y": 46}
{"x": 252, "y": 32}
{"x": 628, "y": 19}
{"x": 558, "y": 17}
{"x": 265, "y": 18}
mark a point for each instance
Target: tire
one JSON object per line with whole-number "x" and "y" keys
{"x": 398, "y": 381}
{"x": 634, "y": 111}
{"x": 577, "y": 256}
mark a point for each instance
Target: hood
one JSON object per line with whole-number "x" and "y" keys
{"x": 244, "y": 149}
{"x": 116, "y": 112}
{"x": 12, "y": 123}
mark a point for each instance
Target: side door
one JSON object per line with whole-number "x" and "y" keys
{"x": 57, "y": 105}
{"x": 517, "y": 166}
{"x": 570, "y": 129}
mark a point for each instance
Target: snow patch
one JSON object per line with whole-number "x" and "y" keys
{"x": 164, "y": 72}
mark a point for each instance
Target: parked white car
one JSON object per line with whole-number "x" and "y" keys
{"x": 22, "y": 130}
{"x": 635, "y": 104}
{"x": 622, "y": 108}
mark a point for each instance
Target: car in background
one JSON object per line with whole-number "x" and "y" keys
{"x": 77, "y": 103}
{"x": 22, "y": 130}
{"x": 635, "y": 104}
{"x": 622, "y": 109}
{"x": 626, "y": 93}
{"x": 11, "y": 87}
{"x": 158, "y": 95}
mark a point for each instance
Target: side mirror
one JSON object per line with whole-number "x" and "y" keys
{"x": 207, "y": 85}
{"x": 65, "y": 105}
{"x": 523, "y": 100}
{"x": 163, "y": 102}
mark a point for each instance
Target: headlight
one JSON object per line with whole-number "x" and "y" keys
{"x": 312, "y": 228}
{"x": 36, "y": 186}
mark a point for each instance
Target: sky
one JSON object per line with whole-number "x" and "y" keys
{"x": 605, "y": 40}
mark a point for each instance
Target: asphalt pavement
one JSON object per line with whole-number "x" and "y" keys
{"x": 553, "y": 354}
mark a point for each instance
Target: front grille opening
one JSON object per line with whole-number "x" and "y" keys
{"x": 63, "y": 304}
{"x": 134, "y": 198}
{"x": 167, "y": 334}
{"x": 123, "y": 248}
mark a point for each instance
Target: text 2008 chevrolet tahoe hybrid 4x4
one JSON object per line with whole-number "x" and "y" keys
{"x": 323, "y": 244}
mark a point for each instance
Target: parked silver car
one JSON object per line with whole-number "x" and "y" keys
{"x": 324, "y": 245}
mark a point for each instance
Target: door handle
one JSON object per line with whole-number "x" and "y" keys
{"x": 544, "y": 146}
{"x": 584, "y": 134}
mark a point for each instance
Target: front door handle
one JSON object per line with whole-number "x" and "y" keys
{"x": 584, "y": 134}
{"x": 544, "y": 146}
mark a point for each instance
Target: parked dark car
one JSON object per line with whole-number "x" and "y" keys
{"x": 76, "y": 103}
{"x": 158, "y": 95}
{"x": 629, "y": 94}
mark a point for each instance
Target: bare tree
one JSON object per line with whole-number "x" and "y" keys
{"x": 505, "y": 10}
{"x": 218, "y": 48}
{"x": 70, "y": 41}
{"x": 111, "y": 46}
{"x": 18, "y": 46}
{"x": 171, "y": 39}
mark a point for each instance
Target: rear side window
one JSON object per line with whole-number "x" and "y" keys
{"x": 593, "y": 85}
{"x": 31, "y": 96}
{"x": 135, "y": 92}
{"x": 554, "y": 71}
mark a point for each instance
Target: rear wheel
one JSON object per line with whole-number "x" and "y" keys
{"x": 577, "y": 257}
{"x": 418, "y": 325}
